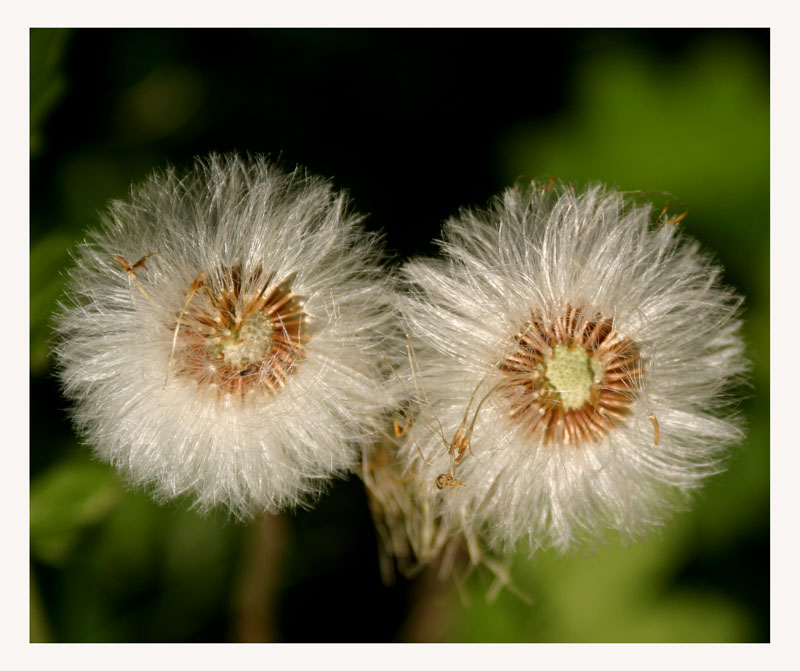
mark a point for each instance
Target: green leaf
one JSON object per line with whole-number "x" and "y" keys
{"x": 66, "y": 500}
{"x": 46, "y": 285}
{"x": 39, "y": 628}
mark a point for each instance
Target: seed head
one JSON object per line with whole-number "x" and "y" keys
{"x": 238, "y": 360}
{"x": 576, "y": 357}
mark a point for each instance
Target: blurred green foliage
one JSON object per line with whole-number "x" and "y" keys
{"x": 46, "y": 78}
{"x": 414, "y": 124}
{"x": 65, "y": 500}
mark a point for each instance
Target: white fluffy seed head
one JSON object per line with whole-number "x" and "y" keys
{"x": 240, "y": 361}
{"x": 573, "y": 361}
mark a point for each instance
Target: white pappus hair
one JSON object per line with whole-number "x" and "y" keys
{"x": 222, "y": 335}
{"x": 576, "y": 355}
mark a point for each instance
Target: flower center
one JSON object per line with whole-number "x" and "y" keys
{"x": 572, "y": 372}
{"x": 247, "y": 345}
{"x": 570, "y": 378}
{"x": 241, "y": 335}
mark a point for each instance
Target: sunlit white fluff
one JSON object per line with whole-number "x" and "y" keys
{"x": 540, "y": 251}
{"x": 252, "y": 451}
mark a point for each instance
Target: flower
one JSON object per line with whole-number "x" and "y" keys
{"x": 574, "y": 361}
{"x": 222, "y": 336}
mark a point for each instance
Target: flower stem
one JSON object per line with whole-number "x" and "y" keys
{"x": 256, "y": 605}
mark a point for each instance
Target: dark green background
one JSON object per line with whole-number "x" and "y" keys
{"x": 414, "y": 124}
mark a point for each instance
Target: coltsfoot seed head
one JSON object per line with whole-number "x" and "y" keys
{"x": 574, "y": 360}
{"x": 238, "y": 360}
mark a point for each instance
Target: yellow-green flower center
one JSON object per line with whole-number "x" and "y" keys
{"x": 571, "y": 372}
{"x": 572, "y": 378}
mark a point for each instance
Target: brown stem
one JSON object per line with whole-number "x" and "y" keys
{"x": 428, "y": 620}
{"x": 260, "y": 576}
